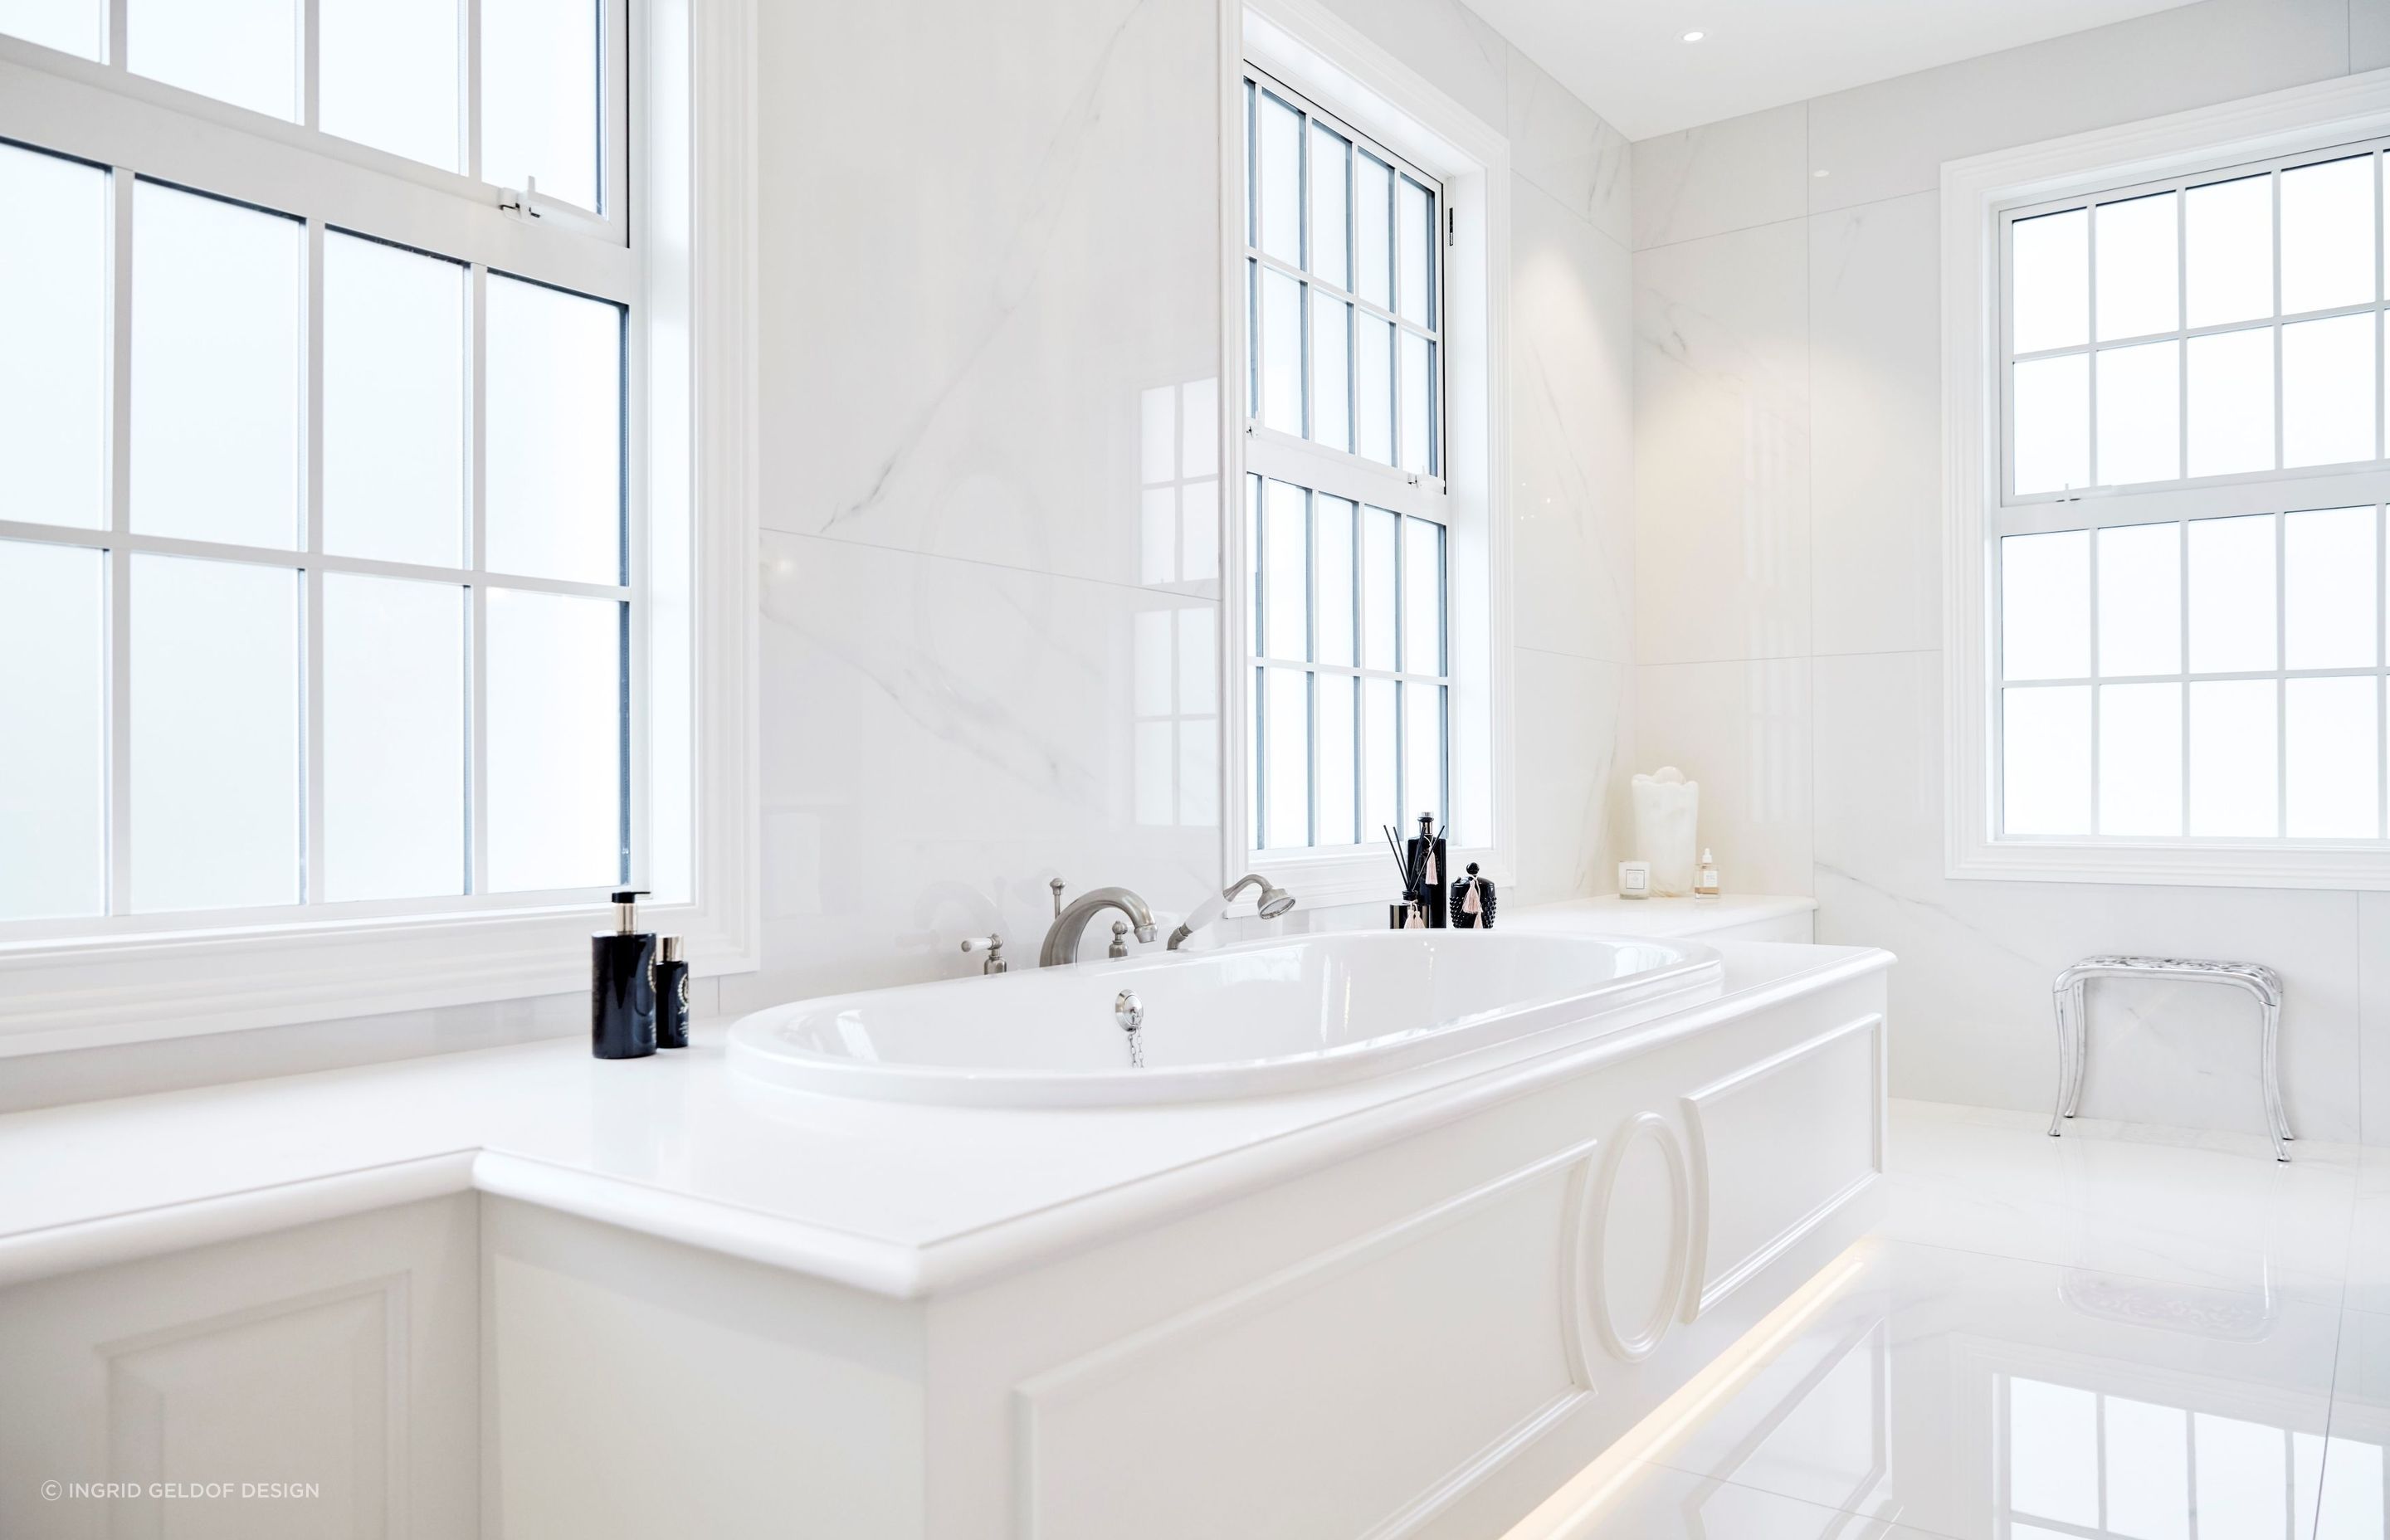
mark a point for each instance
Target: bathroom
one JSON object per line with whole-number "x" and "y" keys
{"x": 773, "y": 458}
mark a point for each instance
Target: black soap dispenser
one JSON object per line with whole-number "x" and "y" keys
{"x": 622, "y": 985}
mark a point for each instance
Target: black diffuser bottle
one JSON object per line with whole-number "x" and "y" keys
{"x": 622, "y": 985}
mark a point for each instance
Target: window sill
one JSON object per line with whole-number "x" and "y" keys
{"x": 119, "y": 988}
{"x": 2270, "y": 865}
{"x": 1362, "y": 876}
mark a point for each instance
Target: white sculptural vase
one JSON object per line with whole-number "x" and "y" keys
{"x": 1667, "y": 813}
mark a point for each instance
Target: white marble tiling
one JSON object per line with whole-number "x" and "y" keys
{"x": 1891, "y": 137}
{"x": 1875, "y": 424}
{"x": 2071, "y": 1331}
{"x": 1575, "y": 724}
{"x": 964, "y": 300}
{"x": 1572, "y": 445}
{"x": 1972, "y": 997}
{"x": 942, "y": 737}
{"x": 2369, "y": 35}
{"x": 2374, "y": 1005}
{"x": 1722, "y": 446}
{"x": 1564, "y": 146}
{"x": 1742, "y": 730}
{"x": 1721, "y": 176}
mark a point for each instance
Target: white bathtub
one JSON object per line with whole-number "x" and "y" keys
{"x": 1254, "y": 1020}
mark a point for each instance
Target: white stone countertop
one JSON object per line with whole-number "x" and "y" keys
{"x": 900, "y": 1199}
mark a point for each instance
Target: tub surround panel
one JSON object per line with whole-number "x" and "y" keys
{"x": 1576, "y": 717}
{"x": 1722, "y": 447}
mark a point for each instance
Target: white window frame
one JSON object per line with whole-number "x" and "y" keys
{"x": 1977, "y": 195}
{"x": 1350, "y": 78}
{"x": 675, "y": 243}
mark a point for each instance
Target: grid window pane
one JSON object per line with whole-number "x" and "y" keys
{"x": 1332, "y": 244}
{"x": 2140, "y": 413}
{"x": 555, "y": 433}
{"x": 2140, "y": 759}
{"x": 54, "y": 315}
{"x": 2140, "y": 599}
{"x": 1331, "y": 384}
{"x": 1378, "y": 566}
{"x": 2328, "y": 411}
{"x": 2228, "y": 250}
{"x": 1419, "y": 405}
{"x": 2233, "y": 760}
{"x": 2232, "y": 594}
{"x": 1373, "y": 230}
{"x": 1337, "y": 617}
{"x": 2232, "y": 403}
{"x": 78, "y": 27}
{"x": 2049, "y": 265}
{"x": 393, "y": 737}
{"x": 2045, "y": 759}
{"x": 1373, "y": 388}
{"x": 1381, "y": 758}
{"x": 216, "y": 364}
{"x": 245, "y": 52}
{"x": 390, "y": 75}
{"x": 2054, "y": 1452}
{"x": 2146, "y": 1453}
{"x": 2237, "y": 1476}
{"x": 2329, "y": 570}
{"x": 2328, "y": 235}
{"x": 2046, "y": 605}
{"x": 555, "y": 715}
{"x": 1286, "y": 758}
{"x": 53, "y": 775}
{"x": 215, "y": 735}
{"x": 1422, "y": 596}
{"x": 1424, "y": 707}
{"x": 393, "y": 403}
{"x": 2052, "y": 437}
{"x": 540, "y": 97}
{"x": 1286, "y": 574}
{"x": 2333, "y": 750}
{"x": 1280, "y": 171}
{"x": 1338, "y": 746}
{"x": 1415, "y": 251}
{"x": 2138, "y": 267}
{"x": 1281, "y": 351}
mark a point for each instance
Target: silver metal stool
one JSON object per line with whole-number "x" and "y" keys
{"x": 2259, "y": 980}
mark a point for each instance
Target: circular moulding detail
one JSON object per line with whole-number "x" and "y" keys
{"x": 1631, "y": 1245}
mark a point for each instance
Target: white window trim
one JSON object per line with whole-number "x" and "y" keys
{"x": 691, "y": 183}
{"x": 1319, "y": 55}
{"x": 1973, "y": 192}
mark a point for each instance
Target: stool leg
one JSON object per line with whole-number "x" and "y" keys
{"x": 2065, "y": 1059}
{"x": 2081, "y": 1022}
{"x": 2270, "y": 1067}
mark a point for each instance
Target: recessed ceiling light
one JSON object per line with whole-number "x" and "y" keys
{"x": 1695, "y": 36}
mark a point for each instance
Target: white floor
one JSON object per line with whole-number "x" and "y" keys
{"x": 2112, "y": 1333}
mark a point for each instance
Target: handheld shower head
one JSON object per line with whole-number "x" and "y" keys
{"x": 1274, "y": 902}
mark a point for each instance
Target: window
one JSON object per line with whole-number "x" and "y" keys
{"x": 1345, "y": 511}
{"x": 330, "y": 504}
{"x": 2176, "y": 669}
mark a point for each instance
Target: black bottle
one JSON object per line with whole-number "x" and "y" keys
{"x": 1426, "y": 854}
{"x": 672, "y": 998}
{"x": 622, "y": 985}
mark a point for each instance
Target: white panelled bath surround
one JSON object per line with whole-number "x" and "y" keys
{"x": 804, "y": 516}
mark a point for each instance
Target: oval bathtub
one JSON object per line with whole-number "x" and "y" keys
{"x": 1250, "y": 1019}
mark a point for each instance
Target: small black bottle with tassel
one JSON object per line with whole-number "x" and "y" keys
{"x": 1425, "y": 854}
{"x": 1473, "y": 901}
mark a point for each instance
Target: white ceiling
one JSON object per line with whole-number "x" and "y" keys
{"x": 1628, "y": 57}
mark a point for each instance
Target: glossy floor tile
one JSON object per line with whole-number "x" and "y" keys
{"x": 2098, "y": 1336}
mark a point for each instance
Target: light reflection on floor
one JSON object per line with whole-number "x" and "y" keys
{"x": 2062, "y": 1339}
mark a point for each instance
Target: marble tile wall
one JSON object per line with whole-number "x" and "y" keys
{"x": 1787, "y": 594}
